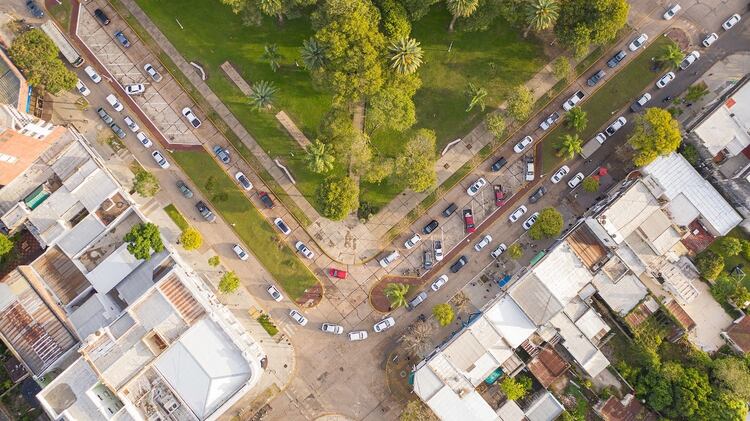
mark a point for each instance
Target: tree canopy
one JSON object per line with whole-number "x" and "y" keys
{"x": 709, "y": 264}
{"x": 520, "y": 103}
{"x": 444, "y": 314}
{"x": 396, "y": 293}
{"x": 191, "y": 239}
{"x": 6, "y": 245}
{"x": 229, "y": 283}
{"x": 37, "y": 57}
{"x": 142, "y": 239}
{"x": 548, "y": 225}
{"x": 729, "y": 246}
{"x": 584, "y": 22}
{"x": 392, "y": 107}
{"x": 655, "y": 133}
{"x": 338, "y": 196}
{"x": 515, "y": 388}
{"x": 145, "y": 183}
{"x": 415, "y": 167}
{"x": 590, "y": 184}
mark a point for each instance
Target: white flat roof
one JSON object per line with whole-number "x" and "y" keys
{"x": 628, "y": 212}
{"x": 545, "y": 408}
{"x": 622, "y": 296}
{"x": 510, "y": 411}
{"x": 508, "y": 319}
{"x": 729, "y": 125}
{"x": 591, "y": 324}
{"x": 113, "y": 269}
{"x": 580, "y": 347}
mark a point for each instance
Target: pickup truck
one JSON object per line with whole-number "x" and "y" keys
{"x": 572, "y": 101}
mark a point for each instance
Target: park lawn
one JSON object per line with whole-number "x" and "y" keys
{"x": 617, "y": 91}
{"x": 257, "y": 233}
{"x": 176, "y": 217}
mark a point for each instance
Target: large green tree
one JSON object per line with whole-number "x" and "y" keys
{"x": 144, "y": 239}
{"x": 655, "y": 133}
{"x": 729, "y": 288}
{"x": 37, "y": 57}
{"x": 672, "y": 56}
{"x": 709, "y": 264}
{"x": 191, "y": 239}
{"x": 515, "y": 388}
{"x": 262, "y": 95}
{"x": 444, "y": 314}
{"x": 338, "y": 196}
{"x": 584, "y": 22}
{"x": 229, "y": 283}
{"x": 461, "y": 9}
{"x": 145, "y": 183}
{"x": 415, "y": 166}
{"x": 732, "y": 374}
{"x": 252, "y": 11}
{"x": 313, "y": 54}
{"x": 319, "y": 158}
{"x": 520, "y": 103}
{"x": 394, "y": 19}
{"x": 406, "y": 55}
{"x": 548, "y": 225}
{"x": 6, "y": 245}
{"x": 392, "y": 107}
{"x": 541, "y": 15}
{"x": 729, "y": 246}
{"x": 576, "y": 119}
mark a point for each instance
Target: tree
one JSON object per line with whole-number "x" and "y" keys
{"x": 444, "y": 314}
{"x": 272, "y": 56}
{"x": 548, "y": 225}
{"x": 418, "y": 338}
{"x": 709, "y": 264}
{"x": 690, "y": 153}
{"x": 319, "y": 158}
{"x": 461, "y": 9}
{"x": 696, "y": 92}
{"x": 392, "y": 106}
{"x": 495, "y": 125}
{"x": 378, "y": 170}
{"x": 396, "y": 293}
{"x": 520, "y": 103}
{"x": 214, "y": 261}
{"x": 6, "y": 245}
{"x": 394, "y": 22}
{"x": 729, "y": 246}
{"x": 477, "y": 94}
{"x": 541, "y": 15}
{"x": 671, "y": 55}
{"x": 262, "y": 94}
{"x": 584, "y": 22}
{"x": 515, "y": 251}
{"x": 338, "y": 197}
{"x": 145, "y": 183}
{"x": 591, "y": 184}
{"x": 561, "y": 68}
{"x": 569, "y": 145}
{"x": 415, "y": 167}
{"x": 655, "y": 133}
{"x": 229, "y": 283}
{"x": 37, "y": 57}
{"x": 576, "y": 119}
{"x": 191, "y": 239}
{"x": 515, "y": 389}
{"x": 732, "y": 374}
{"x": 271, "y": 8}
{"x": 415, "y": 410}
{"x": 142, "y": 239}
{"x": 406, "y": 55}
{"x": 313, "y": 54}
{"x": 746, "y": 249}
{"x": 730, "y": 289}
{"x": 418, "y": 8}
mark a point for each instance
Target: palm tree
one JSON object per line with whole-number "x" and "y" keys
{"x": 541, "y": 15}
{"x": 696, "y": 92}
{"x": 406, "y": 55}
{"x": 569, "y": 146}
{"x": 576, "y": 119}
{"x": 477, "y": 94}
{"x": 319, "y": 158}
{"x": 461, "y": 9}
{"x": 417, "y": 339}
{"x": 262, "y": 94}
{"x": 671, "y": 56}
{"x": 396, "y": 293}
{"x": 313, "y": 54}
{"x": 272, "y": 56}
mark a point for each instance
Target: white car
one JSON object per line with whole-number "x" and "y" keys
{"x": 520, "y": 146}
{"x": 92, "y": 74}
{"x": 240, "y": 252}
{"x": 388, "y": 259}
{"x": 562, "y": 172}
{"x": 160, "y": 160}
{"x": 710, "y": 39}
{"x": 145, "y": 141}
{"x": 299, "y": 318}
{"x": 302, "y": 248}
{"x": 114, "y": 102}
{"x": 359, "y": 335}
{"x": 689, "y": 59}
{"x": 530, "y": 221}
{"x": 131, "y": 124}
{"x": 438, "y": 249}
{"x": 517, "y": 213}
{"x": 483, "y": 242}
{"x": 152, "y": 72}
{"x": 82, "y": 88}
{"x": 572, "y": 101}
{"x": 191, "y": 117}
{"x": 439, "y": 282}
{"x": 135, "y": 89}
{"x": 640, "y": 102}
{"x": 332, "y": 328}
{"x": 638, "y": 42}
{"x": 474, "y": 188}
{"x": 576, "y": 180}
{"x": 282, "y": 226}
{"x": 600, "y": 137}
{"x": 384, "y": 324}
{"x": 669, "y": 14}
{"x": 729, "y": 23}
{"x": 243, "y": 180}
{"x": 498, "y": 251}
{"x": 412, "y": 241}
{"x": 274, "y": 293}
{"x": 664, "y": 80}
{"x": 615, "y": 126}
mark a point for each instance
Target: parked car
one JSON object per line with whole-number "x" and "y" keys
{"x": 710, "y": 39}
{"x": 669, "y": 14}
{"x": 34, "y": 8}
{"x": 665, "y": 80}
{"x": 82, "y": 88}
{"x": 184, "y": 189}
{"x": 131, "y": 124}
{"x": 119, "y": 131}
{"x": 530, "y": 221}
{"x": 439, "y": 282}
{"x": 145, "y": 141}
{"x": 596, "y": 77}
{"x": 529, "y": 168}
{"x": 499, "y": 195}
{"x": 638, "y": 42}
{"x": 497, "y": 165}
{"x": 600, "y": 137}
{"x": 243, "y": 180}
{"x": 112, "y": 100}
{"x": 332, "y": 328}
{"x": 205, "y": 211}
{"x": 458, "y": 264}
{"x": 191, "y": 117}
{"x": 283, "y": 227}
{"x": 411, "y": 242}
{"x": 729, "y": 23}
{"x": 222, "y": 154}
{"x": 299, "y": 318}
{"x": 389, "y": 258}
{"x": 640, "y": 102}
{"x": 476, "y": 186}
{"x": 135, "y": 89}
{"x": 562, "y": 172}
{"x": 274, "y": 293}
{"x": 520, "y": 146}
{"x": 384, "y": 324}
{"x": 537, "y": 194}
{"x": 469, "y": 221}
{"x": 549, "y": 121}
{"x": 104, "y": 116}
{"x": 160, "y": 160}
{"x": 498, "y": 251}
{"x": 240, "y": 252}
{"x": 517, "y": 213}
{"x": 431, "y": 226}
{"x": 152, "y": 72}
{"x": 92, "y": 74}
{"x": 437, "y": 248}
{"x": 487, "y": 239}
{"x": 302, "y": 248}
{"x": 616, "y": 59}
{"x": 419, "y": 299}
{"x": 103, "y": 18}
{"x": 615, "y": 126}
{"x": 123, "y": 39}
{"x": 573, "y": 100}
{"x": 265, "y": 198}
{"x": 337, "y": 273}
{"x": 689, "y": 60}
{"x": 359, "y": 335}
{"x": 449, "y": 210}
{"x": 576, "y": 180}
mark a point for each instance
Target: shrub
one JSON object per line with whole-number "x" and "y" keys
{"x": 729, "y": 246}
{"x": 229, "y": 283}
{"x": 444, "y": 314}
{"x": 709, "y": 264}
{"x": 191, "y": 239}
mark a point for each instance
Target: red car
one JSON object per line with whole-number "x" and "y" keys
{"x": 499, "y": 195}
{"x": 337, "y": 273}
{"x": 469, "y": 221}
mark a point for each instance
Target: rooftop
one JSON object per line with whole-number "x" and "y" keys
{"x": 728, "y": 126}
{"x": 739, "y": 334}
{"x": 580, "y": 347}
{"x": 13, "y": 88}
{"x": 548, "y": 366}
{"x": 627, "y": 409}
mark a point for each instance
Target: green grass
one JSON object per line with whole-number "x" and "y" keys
{"x": 257, "y": 233}
{"x": 617, "y": 91}
{"x": 176, "y": 217}
{"x": 61, "y": 13}
{"x": 268, "y": 325}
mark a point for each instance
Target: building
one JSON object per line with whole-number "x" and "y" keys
{"x": 738, "y": 335}
{"x": 127, "y": 338}
{"x": 627, "y": 409}
{"x": 14, "y": 90}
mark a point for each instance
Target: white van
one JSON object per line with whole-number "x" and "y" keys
{"x": 114, "y": 102}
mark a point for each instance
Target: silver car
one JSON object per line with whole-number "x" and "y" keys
{"x": 384, "y": 324}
